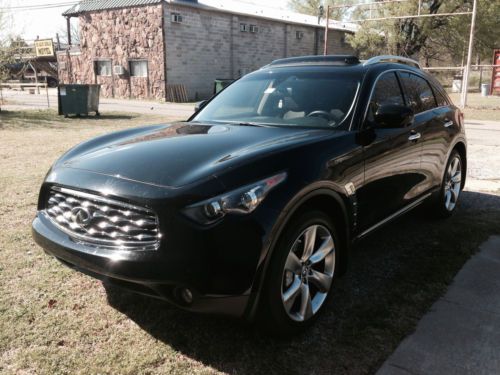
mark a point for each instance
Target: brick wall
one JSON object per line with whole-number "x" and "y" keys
{"x": 209, "y": 45}
{"x": 119, "y": 35}
{"x": 198, "y": 49}
{"x": 206, "y": 45}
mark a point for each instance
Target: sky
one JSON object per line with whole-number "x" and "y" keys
{"x": 45, "y": 23}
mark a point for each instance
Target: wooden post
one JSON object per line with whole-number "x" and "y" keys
{"x": 47, "y": 91}
{"x": 465, "y": 82}
{"x": 36, "y": 77}
{"x": 68, "y": 29}
{"x": 325, "y": 48}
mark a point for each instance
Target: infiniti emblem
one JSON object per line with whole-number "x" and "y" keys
{"x": 80, "y": 216}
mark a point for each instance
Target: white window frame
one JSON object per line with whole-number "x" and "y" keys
{"x": 254, "y": 28}
{"x": 176, "y": 17}
{"x": 98, "y": 71}
{"x": 243, "y": 27}
{"x": 144, "y": 73}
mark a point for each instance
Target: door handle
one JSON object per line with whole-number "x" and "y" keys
{"x": 414, "y": 137}
{"x": 447, "y": 124}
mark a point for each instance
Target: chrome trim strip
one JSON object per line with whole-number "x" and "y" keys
{"x": 414, "y": 137}
{"x": 105, "y": 243}
{"x": 393, "y": 216}
{"x": 448, "y": 124}
{"x": 98, "y": 198}
{"x": 391, "y": 58}
{"x": 109, "y": 244}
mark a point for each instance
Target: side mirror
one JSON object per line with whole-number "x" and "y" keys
{"x": 390, "y": 116}
{"x": 200, "y": 105}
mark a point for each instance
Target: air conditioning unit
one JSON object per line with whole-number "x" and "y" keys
{"x": 118, "y": 70}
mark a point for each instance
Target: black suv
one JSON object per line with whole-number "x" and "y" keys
{"x": 250, "y": 207}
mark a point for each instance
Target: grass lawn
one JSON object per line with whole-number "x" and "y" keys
{"x": 480, "y": 107}
{"x": 55, "y": 320}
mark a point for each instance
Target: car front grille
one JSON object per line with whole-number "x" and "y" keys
{"x": 103, "y": 222}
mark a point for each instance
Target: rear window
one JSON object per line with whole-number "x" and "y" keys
{"x": 419, "y": 95}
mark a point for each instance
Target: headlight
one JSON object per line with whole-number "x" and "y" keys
{"x": 240, "y": 201}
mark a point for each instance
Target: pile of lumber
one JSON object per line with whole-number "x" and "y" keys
{"x": 177, "y": 93}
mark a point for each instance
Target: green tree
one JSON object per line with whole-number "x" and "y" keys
{"x": 428, "y": 38}
{"x": 6, "y": 49}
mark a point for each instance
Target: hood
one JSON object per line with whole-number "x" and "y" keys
{"x": 182, "y": 153}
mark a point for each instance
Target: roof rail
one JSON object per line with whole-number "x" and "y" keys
{"x": 390, "y": 58}
{"x": 315, "y": 59}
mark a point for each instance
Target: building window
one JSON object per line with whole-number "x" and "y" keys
{"x": 243, "y": 27}
{"x": 176, "y": 17}
{"x": 254, "y": 29}
{"x": 299, "y": 34}
{"x": 138, "y": 68}
{"x": 342, "y": 40}
{"x": 102, "y": 68}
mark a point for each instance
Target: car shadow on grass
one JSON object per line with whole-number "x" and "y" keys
{"x": 395, "y": 275}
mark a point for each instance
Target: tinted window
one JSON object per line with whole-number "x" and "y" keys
{"x": 285, "y": 98}
{"x": 419, "y": 94}
{"x": 440, "y": 98}
{"x": 386, "y": 91}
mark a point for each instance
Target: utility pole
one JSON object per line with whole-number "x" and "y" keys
{"x": 325, "y": 48}
{"x": 465, "y": 82}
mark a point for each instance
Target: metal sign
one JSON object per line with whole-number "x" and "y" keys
{"x": 495, "y": 77}
{"x": 44, "y": 48}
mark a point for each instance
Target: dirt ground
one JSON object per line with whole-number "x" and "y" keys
{"x": 55, "y": 320}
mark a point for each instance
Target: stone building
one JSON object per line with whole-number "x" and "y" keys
{"x": 156, "y": 48}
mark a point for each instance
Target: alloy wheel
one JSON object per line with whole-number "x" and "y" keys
{"x": 452, "y": 183}
{"x": 308, "y": 273}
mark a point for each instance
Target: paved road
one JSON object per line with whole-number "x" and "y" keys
{"x": 461, "y": 333}
{"x": 19, "y": 100}
{"x": 484, "y": 136}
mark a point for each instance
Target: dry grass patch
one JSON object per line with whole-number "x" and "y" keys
{"x": 480, "y": 107}
{"x": 54, "y": 320}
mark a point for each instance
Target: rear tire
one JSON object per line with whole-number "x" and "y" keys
{"x": 300, "y": 275}
{"x": 451, "y": 186}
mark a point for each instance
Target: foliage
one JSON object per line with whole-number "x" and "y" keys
{"x": 427, "y": 38}
{"x": 6, "y": 50}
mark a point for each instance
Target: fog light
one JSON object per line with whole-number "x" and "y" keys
{"x": 186, "y": 295}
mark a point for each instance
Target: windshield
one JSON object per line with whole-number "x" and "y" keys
{"x": 284, "y": 98}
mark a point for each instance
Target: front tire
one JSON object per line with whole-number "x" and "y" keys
{"x": 301, "y": 274}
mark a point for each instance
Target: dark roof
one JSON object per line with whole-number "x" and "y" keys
{"x": 91, "y": 5}
{"x": 327, "y": 60}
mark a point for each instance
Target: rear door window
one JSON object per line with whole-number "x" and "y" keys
{"x": 419, "y": 95}
{"x": 440, "y": 98}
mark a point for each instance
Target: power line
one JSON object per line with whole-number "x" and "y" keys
{"x": 21, "y": 8}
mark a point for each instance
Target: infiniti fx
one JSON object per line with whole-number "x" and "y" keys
{"x": 249, "y": 208}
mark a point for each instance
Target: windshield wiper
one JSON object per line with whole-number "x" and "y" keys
{"x": 249, "y": 123}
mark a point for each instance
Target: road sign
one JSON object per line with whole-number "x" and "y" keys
{"x": 44, "y": 48}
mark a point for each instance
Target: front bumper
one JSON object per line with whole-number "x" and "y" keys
{"x": 151, "y": 273}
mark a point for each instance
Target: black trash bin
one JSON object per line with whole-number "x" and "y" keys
{"x": 221, "y": 84}
{"x": 78, "y": 99}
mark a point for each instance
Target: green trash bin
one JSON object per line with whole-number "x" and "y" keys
{"x": 78, "y": 99}
{"x": 221, "y": 84}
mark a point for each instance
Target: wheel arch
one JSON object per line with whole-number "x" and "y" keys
{"x": 325, "y": 198}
